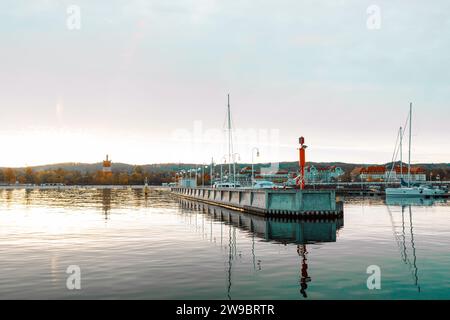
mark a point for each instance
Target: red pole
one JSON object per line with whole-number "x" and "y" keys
{"x": 302, "y": 162}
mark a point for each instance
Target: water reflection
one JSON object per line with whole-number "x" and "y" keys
{"x": 139, "y": 252}
{"x": 271, "y": 229}
{"x": 28, "y": 196}
{"x": 106, "y": 202}
{"x": 413, "y": 201}
{"x": 402, "y": 243}
{"x": 231, "y": 254}
{"x": 304, "y": 277}
{"x": 104, "y": 199}
{"x": 401, "y": 239}
{"x": 285, "y": 231}
{"x": 9, "y": 197}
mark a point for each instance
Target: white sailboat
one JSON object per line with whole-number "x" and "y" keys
{"x": 406, "y": 189}
{"x": 231, "y": 180}
{"x": 419, "y": 191}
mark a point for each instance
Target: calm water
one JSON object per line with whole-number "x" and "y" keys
{"x": 129, "y": 245}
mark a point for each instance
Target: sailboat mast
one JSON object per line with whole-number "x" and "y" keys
{"x": 409, "y": 147}
{"x": 401, "y": 153}
{"x": 229, "y": 140}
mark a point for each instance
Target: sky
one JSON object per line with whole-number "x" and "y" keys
{"x": 147, "y": 81}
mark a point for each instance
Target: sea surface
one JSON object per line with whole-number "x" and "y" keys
{"x": 124, "y": 244}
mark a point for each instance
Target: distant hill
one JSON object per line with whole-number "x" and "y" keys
{"x": 174, "y": 167}
{"x": 116, "y": 166}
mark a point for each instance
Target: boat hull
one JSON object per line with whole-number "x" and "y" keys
{"x": 413, "y": 192}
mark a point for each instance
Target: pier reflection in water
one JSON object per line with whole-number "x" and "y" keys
{"x": 285, "y": 231}
{"x": 413, "y": 201}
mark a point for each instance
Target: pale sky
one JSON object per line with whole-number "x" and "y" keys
{"x": 146, "y": 81}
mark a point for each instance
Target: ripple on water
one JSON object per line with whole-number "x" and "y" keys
{"x": 129, "y": 245}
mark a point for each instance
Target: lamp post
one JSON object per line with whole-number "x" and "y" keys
{"x": 198, "y": 170}
{"x": 196, "y": 173}
{"x": 211, "y": 170}
{"x": 234, "y": 166}
{"x": 191, "y": 171}
{"x": 221, "y": 167}
{"x": 253, "y": 166}
{"x": 203, "y": 175}
{"x": 313, "y": 173}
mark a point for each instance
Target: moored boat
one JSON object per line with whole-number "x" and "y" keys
{"x": 408, "y": 189}
{"x": 420, "y": 191}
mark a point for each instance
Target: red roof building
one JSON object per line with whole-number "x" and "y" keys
{"x": 381, "y": 173}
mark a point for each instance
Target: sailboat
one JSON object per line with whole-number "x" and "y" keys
{"x": 231, "y": 183}
{"x": 407, "y": 189}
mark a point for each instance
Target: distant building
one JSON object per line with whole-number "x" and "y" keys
{"x": 381, "y": 173}
{"x": 323, "y": 174}
{"x": 373, "y": 173}
{"x": 312, "y": 174}
{"x": 355, "y": 174}
{"x": 187, "y": 182}
{"x": 245, "y": 175}
{"x": 107, "y": 165}
{"x": 281, "y": 176}
{"x": 417, "y": 173}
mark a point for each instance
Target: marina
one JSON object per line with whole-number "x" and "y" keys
{"x": 263, "y": 197}
{"x": 206, "y": 152}
{"x": 297, "y": 196}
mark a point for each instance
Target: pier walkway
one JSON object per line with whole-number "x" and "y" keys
{"x": 268, "y": 202}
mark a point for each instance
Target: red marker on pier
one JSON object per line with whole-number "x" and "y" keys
{"x": 302, "y": 161}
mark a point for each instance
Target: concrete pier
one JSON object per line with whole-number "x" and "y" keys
{"x": 268, "y": 202}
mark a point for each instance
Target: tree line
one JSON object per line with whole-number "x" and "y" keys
{"x": 137, "y": 176}
{"x": 71, "y": 177}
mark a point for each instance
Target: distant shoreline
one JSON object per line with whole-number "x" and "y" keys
{"x": 120, "y": 166}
